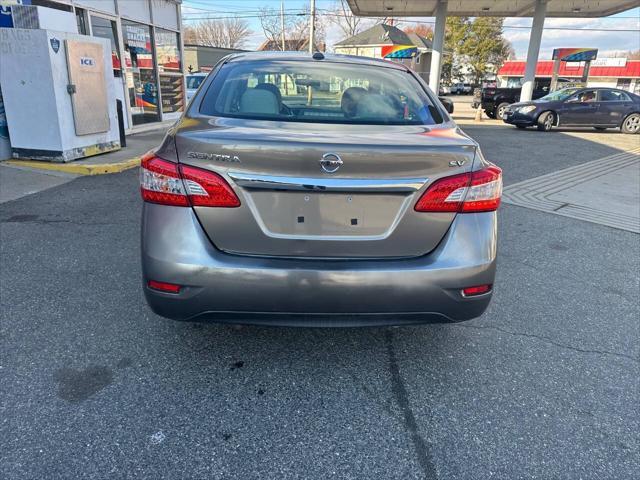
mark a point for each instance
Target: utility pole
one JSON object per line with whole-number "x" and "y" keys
{"x": 312, "y": 26}
{"x": 282, "y": 24}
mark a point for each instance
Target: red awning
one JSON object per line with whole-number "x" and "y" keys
{"x": 545, "y": 69}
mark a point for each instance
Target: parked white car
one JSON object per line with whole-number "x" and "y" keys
{"x": 193, "y": 82}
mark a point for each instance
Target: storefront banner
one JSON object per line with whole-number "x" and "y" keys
{"x": 138, "y": 38}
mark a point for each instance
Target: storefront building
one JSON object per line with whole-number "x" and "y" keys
{"x": 604, "y": 72}
{"x": 146, "y": 54}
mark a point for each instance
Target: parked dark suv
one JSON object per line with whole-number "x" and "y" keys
{"x": 495, "y": 100}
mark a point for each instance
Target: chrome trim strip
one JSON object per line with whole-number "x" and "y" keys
{"x": 270, "y": 182}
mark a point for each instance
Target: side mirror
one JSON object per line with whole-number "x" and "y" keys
{"x": 448, "y": 104}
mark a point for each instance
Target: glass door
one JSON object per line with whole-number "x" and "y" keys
{"x": 140, "y": 72}
{"x": 170, "y": 69}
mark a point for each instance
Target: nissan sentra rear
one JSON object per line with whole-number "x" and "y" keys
{"x": 301, "y": 190}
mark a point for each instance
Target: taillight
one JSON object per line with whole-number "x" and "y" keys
{"x": 160, "y": 182}
{"x": 207, "y": 189}
{"x": 478, "y": 191}
{"x": 169, "y": 183}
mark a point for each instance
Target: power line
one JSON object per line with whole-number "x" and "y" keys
{"x": 426, "y": 22}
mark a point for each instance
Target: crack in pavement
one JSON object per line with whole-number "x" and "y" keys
{"x": 423, "y": 453}
{"x": 551, "y": 342}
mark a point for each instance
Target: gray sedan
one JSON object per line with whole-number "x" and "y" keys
{"x": 318, "y": 190}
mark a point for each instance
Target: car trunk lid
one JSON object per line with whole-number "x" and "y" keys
{"x": 292, "y": 206}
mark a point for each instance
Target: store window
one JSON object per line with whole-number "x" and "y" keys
{"x": 168, "y": 51}
{"x": 81, "y": 21}
{"x": 140, "y": 72}
{"x": 104, "y": 28}
{"x": 170, "y": 68}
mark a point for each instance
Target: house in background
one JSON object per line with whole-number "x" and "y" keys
{"x": 291, "y": 45}
{"x": 391, "y": 43}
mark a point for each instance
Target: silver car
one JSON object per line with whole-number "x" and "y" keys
{"x": 318, "y": 190}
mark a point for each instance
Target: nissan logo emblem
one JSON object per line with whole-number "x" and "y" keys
{"x": 331, "y": 162}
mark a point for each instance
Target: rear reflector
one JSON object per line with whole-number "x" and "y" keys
{"x": 478, "y": 191}
{"x": 477, "y": 290}
{"x": 164, "y": 287}
{"x": 168, "y": 183}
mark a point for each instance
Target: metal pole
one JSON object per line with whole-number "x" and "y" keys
{"x": 438, "y": 46}
{"x": 312, "y": 26}
{"x": 554, "y": 77}
{"x": 282, "y": 24}
{"x": 534, "y": 50}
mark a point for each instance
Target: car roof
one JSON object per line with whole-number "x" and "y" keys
{"x": 305, "y": 56}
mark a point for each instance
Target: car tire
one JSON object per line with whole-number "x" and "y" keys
{"x": 490, "y": 114}
{"x": 545, "y": 121}
{"x": 631, "y": 124}
{"x": 500, "y": 110}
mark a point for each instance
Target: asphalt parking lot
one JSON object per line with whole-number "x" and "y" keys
{"x": 544, "y": 385}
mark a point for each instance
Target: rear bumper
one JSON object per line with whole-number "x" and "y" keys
{"x": 283, "y": 291}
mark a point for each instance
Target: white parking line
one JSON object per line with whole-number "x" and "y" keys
{"x": 604, "y": 191}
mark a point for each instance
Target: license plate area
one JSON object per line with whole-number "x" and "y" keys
{"x": 305, "y": 214}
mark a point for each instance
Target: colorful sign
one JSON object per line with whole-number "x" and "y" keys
{"x": 399, "y": 51}
{"x": 575, "y": 54}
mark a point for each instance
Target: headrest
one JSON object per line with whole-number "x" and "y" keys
{"x": 259, "y": 101}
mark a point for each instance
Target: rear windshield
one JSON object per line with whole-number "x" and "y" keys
{"x": 300, "y": 91}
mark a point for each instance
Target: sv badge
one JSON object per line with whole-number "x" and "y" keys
{"x": 457, "y": 163}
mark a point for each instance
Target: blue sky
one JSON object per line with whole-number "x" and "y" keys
{"x": 609, "y": 43}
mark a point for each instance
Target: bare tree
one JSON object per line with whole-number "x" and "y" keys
{"x": 226, "y": 33}
{"x": 296, "y": 29}
{"x": 189, "y": 35}
{"x": 271, "y": 27}
{"x": 345, "y": 20}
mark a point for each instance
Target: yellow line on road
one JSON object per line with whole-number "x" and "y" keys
{"x": 78, "y": 169}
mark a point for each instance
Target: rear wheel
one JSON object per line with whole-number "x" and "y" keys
{"x": 501, "y": 109}
{"x": 491, "y": 114}
{"x": 631, "y": 124}
{"x": 545, "y": 121}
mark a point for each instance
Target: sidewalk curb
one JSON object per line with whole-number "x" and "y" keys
{"x": 91, "y": 169}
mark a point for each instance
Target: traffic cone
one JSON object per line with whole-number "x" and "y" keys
{"x": 478, "y": 114}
